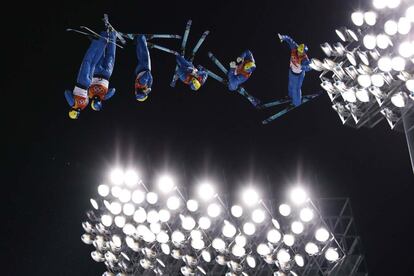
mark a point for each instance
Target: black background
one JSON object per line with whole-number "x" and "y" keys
{"x": 53, "y": 164}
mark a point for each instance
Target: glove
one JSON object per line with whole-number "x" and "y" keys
{"x": 280, "y": 37}
{"x": 239, "y": 60}
{"x": 233, "y": 64}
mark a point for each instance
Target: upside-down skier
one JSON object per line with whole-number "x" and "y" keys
{"x": 193, "y": 76}
{"x": 299, "y": 65}
{"x": 143, "y": 79}
{"x": 240, "y": 70}
{"x": 93, "y": 78}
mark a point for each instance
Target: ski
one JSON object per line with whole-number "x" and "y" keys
{"x": 216, "y": 77}
{"x": 289, "y": 108}
{"x": 151, "y": 36}
{"x": 198, "y": 45}
{"x": 118, "y": 34}
{"x": 161, "y": 48}
{"x": 275, "y": 103}
{"x": 92, "y": 34}
{"x": 217, "y": 62}
{"x": 183, "y": 45}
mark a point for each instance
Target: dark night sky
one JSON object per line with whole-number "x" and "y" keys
{"x": 53, "y": 164}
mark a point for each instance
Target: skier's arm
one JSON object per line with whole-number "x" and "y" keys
{"x": 306, "y": 65}
{"x": 203, "y": 74}
{"x": 247, "y": 55}
{"x": 292, "y": 44}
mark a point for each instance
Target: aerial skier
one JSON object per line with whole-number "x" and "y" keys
{"x": 143, "y": 80}
{"x": 299, "y": 65}
{"x": 240, "y": 70}
{"x": 192, "y": 76}
{"x": 93, "y": 78}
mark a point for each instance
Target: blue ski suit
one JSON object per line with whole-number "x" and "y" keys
{"x": 187, "y": 71}
{"x": 143, "y": 79}
{"x": 299, "y": 65}
{"x": 240, "y": 74}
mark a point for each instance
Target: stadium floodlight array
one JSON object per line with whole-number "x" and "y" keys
{"x": 369, "y": 74}
{"x": 136, "y": 229}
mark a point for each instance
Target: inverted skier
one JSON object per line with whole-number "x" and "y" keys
{"x": 299, "y": 65}
{"x": 240, "y": 70}
{"x": 193, "y": 76}
{"x": 143, "y": 80}
{"x": 94, "y": 74}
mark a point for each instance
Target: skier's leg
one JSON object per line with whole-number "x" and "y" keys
{"x": 182, "y": 62}
{"x": 143, "y": 56}
{"x": 233, "y": 80}
{"x": 106, "y": 64}
{"x": 291, "y": 84}
{"x": 91, "y": 58}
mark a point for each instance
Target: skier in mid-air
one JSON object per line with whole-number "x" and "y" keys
{"x": 143, "y": 80}
{"x": 94, "y": 74}
{"x": 240, "y": 70}
{"x": 189, "y": 74}
{"x": 299, "y": 65}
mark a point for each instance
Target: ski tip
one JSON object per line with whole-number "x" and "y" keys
{"x": 207, "y": 32}
{"x": 210, "y": 54}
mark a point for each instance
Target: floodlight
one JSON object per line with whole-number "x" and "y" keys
{"x": 128, "y": 209}
{"x": 362, "y": 95}
{"x": 316, "y": 64}
{"x": 140, "y": 215}
{"x": 341, "y": 33}
{"x": 358, "y": 18}
{"x": 164, "y": 215}
{"x": 131, "y": 178}
{"x": 125, "y": 196}
{"x": 229, "y": 230}
{"x": 103, "y": 190}
{"x": 327, "y": 49}
{"x": 251, "y": 261}
{"x": 166, "y": 184}
{"x": 289, "y": 240}
{"x": 380, "y": 4}
{"x": 188, "y": 223}
{"x": 322, "y": 235}
{"x": 385, "y": 64}
{"x": 298, "y": 196}
{"x": 311, "y": 248}
{"x": 391, "y": 27}
{"x": 399, "y": 99}
{"x": 94, "y": 203}
{"x": 406, "y": 49}
{"x": 274, "y": 236}
{"x": 352, "y": 35}
{"x": 206, "y": 191}
{"x": 363, "y": 57}
{"x": 173, "y": 203}
{"x": 370, "y": 41}
{"x": 283, "y": 256}
{"x": 327, "y": 86}
{"x": 206, "y": 255}
{"x": 392, "y": 4}
{"x": 349, "y": 95}
{"x": 364, "y": 81}
{"x": 377, "y": 80}
{"x": 204, "y": 223}
{"x": 410, "y": 85}
{"x": 192, "y": 205}
{"x": 197, "y": 244}
{"x": 128, "y": 229}
{"x": 299, "y": 260}
{"x": 238, "y": 251}
{"x": 249, "y": 228}
{"x": 87, "y": 239}
{"x": 297, "y": 227}
{"x": 165, "y": 248}
{"x": 213, "y": 210}
{"x": 351, "y": 58}
{"x": 284, "y": 210}
{"x": 152, "y": 198}
{"x": 370, "y": 18}
{"x": 258, "y": 216}
{"x": 117, "y": 241}
{"x": 240, "y": 240}
{"x": 97, "y": 256}
{"x": 382, "y": 41}
{"x": 116, "y": 208}
{"x": 398, "y": 64}
{"x": 153, "y": 216}
{"x": 117, "y": 176}
{"x": 331, "y": 254}
{"x": 250, "y": 197}
{"x": 218, "y": 244}
{"x": 236, "y": 211}
{"x": 132, "y": 244}
{"x": 155, "y": 227}
{"x": 177, "y": 237}
{"x": 263, "y": 249}
{"x": 120, "y": 221}
{"x": 116, "y": 191}
{"x": 404, "y": 26}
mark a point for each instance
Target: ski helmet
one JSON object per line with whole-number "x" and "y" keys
{"x": 74, "y": 113}
{"x": 195, "y": 84}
